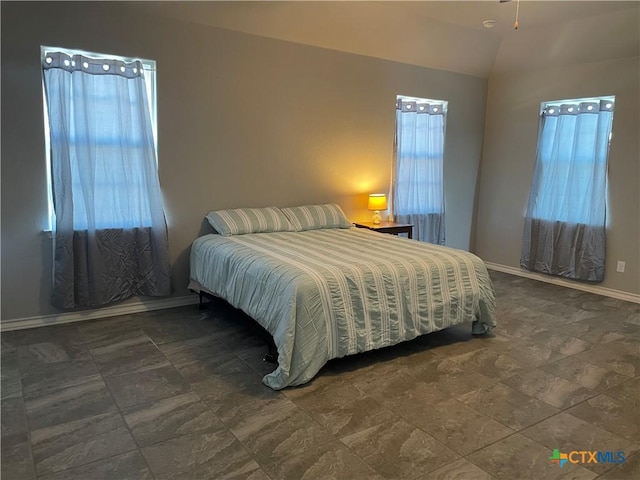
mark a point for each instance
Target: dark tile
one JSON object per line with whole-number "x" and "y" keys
{"x": 628, "y": 392}
{"x": 55, "y": 376}
{"x": 563, "y": 344}
{"x": 16, "y": 462}
{"x": 529, "y": 353}
{"x": 221, "y": 364}
{"x": 130, "y": 355}
{"x": 453, "y": 340}
{"x": 243, "y": 332}
{"x": 254, "y": 356}
{"x": 632, "y": 317}
{"x": 255, "y": 475}
{"x": 226, "y": 383}
{"x": 176, "y": 314}
{"x": 6, "y": 342}
{"x": 108, "y": 331}
{"x": 68, "y": 404}
{"x": 459, "y": 470}
{"x": 194, "y": 349}
{"x": 333, "y": 375}
{"x": 611, "y": 414}
{"x": 216, "y": 454}
{"x": 584, "y": 373}
{"x": 519, "y": 457}
{"x": 277, "y": 429}
{"x": 80, "y": 442}
{"x": 458, "y": 426}
{"x": 541, "y": 314}
{"x": 412, "y": 403}
{"x": 146, "y": 386}
{"x": 555, "y": 391}
{"x": 613, "y": 356}
{"x": 37, "y": 355}
{"x": 170, "y": 417}
{"x": 629, "y": 344}
{"x": 331, "y": 460}
{"x": 459, "y": 384}
{"x": 597, "y": 303}
{"x": 64, "y": 334}
{"x": 567, "y": 313}
{"x": 442, "y": 376}
{"x": 530, "y": 301}
{"x": 127, "y": 466}
{"x": 10, "y": 384}
{"x": 226, "y": 397}
{"x": 519, "y": 329}
{"x": 398, "y": 390}
{"x": 345, "y": 410}
{"x": 399, "y": 450}
{"x": 508, "y": 406}
{"x": 490, "y": 363}
{"x": 166, "y": 328}
{"x": 601, "y": 329}
{"x": 13, "y": 416}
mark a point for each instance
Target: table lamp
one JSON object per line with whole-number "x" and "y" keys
{"x": 377, "y": 202}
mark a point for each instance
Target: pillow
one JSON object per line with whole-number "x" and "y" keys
{"x": 314, "y": 217}
{"x": 249, "y": 220}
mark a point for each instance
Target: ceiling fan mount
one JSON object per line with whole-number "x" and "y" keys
{"x": 515, "y": 24}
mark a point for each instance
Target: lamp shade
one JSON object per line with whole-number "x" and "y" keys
{"x": 377, "y": 201}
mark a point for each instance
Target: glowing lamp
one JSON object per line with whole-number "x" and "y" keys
{"x": 377, "y": 202}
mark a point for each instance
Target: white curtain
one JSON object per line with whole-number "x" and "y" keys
{"x": 110, "y": 234}
{"x": 566, "y": 214}
{"x": 418, "y": 179}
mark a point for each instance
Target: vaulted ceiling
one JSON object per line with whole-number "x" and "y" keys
{"x": 447, "y": 35}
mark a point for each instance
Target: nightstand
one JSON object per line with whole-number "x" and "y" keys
{"x": 388, "y": 227}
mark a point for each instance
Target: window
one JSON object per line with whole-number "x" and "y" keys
{"x": 571, "y": 168}
{"x": 109, "y": 229}
{"x": 418, "y": 178}
{"x": 102, "y": 99}
{"x": 565, "y": 223}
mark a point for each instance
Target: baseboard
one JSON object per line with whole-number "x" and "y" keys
{"x": 607, "y": 292}
{"x": 125, "y": 309}
{"x": 149, "y": 305}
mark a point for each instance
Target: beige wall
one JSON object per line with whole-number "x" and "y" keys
{"x": 509, "y": 154}
{"x": 242, "y": 120}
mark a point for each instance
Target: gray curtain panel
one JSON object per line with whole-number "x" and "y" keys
{"x": 110, "y": 233}
{"x": 575, "y": 251}
{"x": 99, "y": 267}
{"x": 430, "y": 226}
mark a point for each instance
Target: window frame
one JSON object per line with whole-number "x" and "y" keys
{"x": 150, "y": 76}
{"x": 445, "y": 108}
{"x": 571, "y": 101}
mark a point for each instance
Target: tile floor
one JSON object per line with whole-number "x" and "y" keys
{"x": 177, "y": 394}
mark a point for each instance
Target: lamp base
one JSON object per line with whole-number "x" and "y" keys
{"x": 376, "y": 219}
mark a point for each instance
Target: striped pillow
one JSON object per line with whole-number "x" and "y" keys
{"x": 314, "y": 217}
{"x": 249, "y": 220}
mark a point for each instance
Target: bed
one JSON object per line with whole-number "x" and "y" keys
{"x": 328, "y": 292}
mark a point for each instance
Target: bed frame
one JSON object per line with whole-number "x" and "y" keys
{"x": 272, "y": 352}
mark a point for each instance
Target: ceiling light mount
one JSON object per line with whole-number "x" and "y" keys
{"x": 515, "y": 24}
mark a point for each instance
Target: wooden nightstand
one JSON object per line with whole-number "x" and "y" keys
{"x": 388, "y": 227}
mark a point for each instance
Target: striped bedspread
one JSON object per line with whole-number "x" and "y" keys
{"x": 324, "y": 294}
